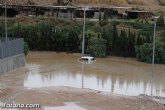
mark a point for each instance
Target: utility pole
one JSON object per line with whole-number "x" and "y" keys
{"x": 153, "y": 55}
{"x": 154, "y": 37}
{"x": 83, "y": 42}
{"x": 6, "y": 34}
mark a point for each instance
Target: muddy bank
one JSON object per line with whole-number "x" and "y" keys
{"x": 87, "y": 99}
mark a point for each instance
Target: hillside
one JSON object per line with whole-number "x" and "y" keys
{"x": 125, "y": 2}
{"x": 154, "y": 5}
{"x": 111, "y": 2}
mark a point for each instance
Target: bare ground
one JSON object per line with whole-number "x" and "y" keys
{"x": 89, "y": 99}
{"x": 151, "y": 5}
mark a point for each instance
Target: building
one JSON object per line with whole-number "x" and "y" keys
{"x": 134, "y": 14}
{"x": 70, "y": 12}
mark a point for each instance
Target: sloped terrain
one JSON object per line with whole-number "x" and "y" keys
{"x": 126, "y": 2}
{"x": 150, "y": 5}
{"x": 110, "y": 2}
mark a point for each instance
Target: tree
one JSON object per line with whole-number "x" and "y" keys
{"x": 139, "y": 39}
{"x": 131, "y": 44}
{"x": 26, "y": 48}
{"x": 114, "y": 38}
{"x": 73, "y": 41}
{"x": 162, "y": 36}
{"x": 122, "y": 43}
{"x": 144, "y": 52}
{"x": 107, "y": 35}
{"x": 97, "y": 46}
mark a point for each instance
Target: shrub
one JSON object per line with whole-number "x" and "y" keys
{"x": 115, "y": 22}
{"x": 26, "y": 48}
{"x": 103, "y": 22}
{"x": 162, "y": 36}
{"x": 97, "y": 47}
{"x": 144, "y": 52}
{"x": 141, "y": 25}
{"x": 89, "y": 25}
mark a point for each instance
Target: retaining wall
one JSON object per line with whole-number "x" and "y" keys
{"x": 12, "y": 63}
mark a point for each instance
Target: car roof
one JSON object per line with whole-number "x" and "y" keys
{"x": 87, "y": 57}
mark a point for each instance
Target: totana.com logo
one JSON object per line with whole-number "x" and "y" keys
{"x": 11, "y": 106}
{"x": 1, "y": 104}
{"x": 3, "y": 107}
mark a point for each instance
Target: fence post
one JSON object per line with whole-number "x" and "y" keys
{"x": 1, "y": 50}
{"x": 17, "y": 46}
{"x": 9, "y": 48}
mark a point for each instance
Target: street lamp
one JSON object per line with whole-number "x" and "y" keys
{"x": 83, "y": 42}
{"x": 154, "y": 38}
{"x": 6, "y": 20}
{"x": 153, "y": 53}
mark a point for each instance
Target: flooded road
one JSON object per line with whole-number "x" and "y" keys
{"x": 68, "y": 106}
{"x": 113, "y": 75}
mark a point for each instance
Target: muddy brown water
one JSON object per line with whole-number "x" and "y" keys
{"x": 113, "y": 74}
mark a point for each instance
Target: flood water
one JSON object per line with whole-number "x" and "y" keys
{"x": 68, "y": 106}
{"x": 114, "y": 75}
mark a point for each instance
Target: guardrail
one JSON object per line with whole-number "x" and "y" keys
{"x": 11, "y": 47}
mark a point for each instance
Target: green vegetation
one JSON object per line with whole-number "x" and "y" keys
{"x": 140, "y": 24}
{"x": 104, "y": 21}
{"x": 119, "y": 38}
{"x": 97, "y": 47}
{"x": 119, "y": 42}
{"x": 26, "y": 48}
{"x": 144, "y": 52}
{"x": 162, "y": 36}
{"x": 45, "y": 36}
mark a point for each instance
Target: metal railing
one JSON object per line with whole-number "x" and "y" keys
{"x": 13, "y": 47}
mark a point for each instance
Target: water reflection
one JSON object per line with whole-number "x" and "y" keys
{"x": 115, "y": 76}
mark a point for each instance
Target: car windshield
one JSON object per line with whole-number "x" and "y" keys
{"x": 87, "y": 58}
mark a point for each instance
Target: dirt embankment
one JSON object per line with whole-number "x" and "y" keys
{"x": 88, "y": 99}
{"x": 109, "y": 2}
{"x": 149, "y": 5}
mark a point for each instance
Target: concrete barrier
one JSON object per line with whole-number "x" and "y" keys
{"x": 12, "y": 63}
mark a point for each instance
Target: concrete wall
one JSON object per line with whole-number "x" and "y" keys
{"x": 12, "y": 63}
{"x": 97, "y": 14}
{"x": 65, "y": 15}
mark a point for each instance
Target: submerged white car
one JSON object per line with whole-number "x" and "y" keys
{"x": 88, "y": 58}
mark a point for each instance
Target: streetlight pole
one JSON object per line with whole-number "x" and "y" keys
{"x": 83, "y": 42}
{"x": 153, "y": 54}
{"x": 6, "y": 20}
